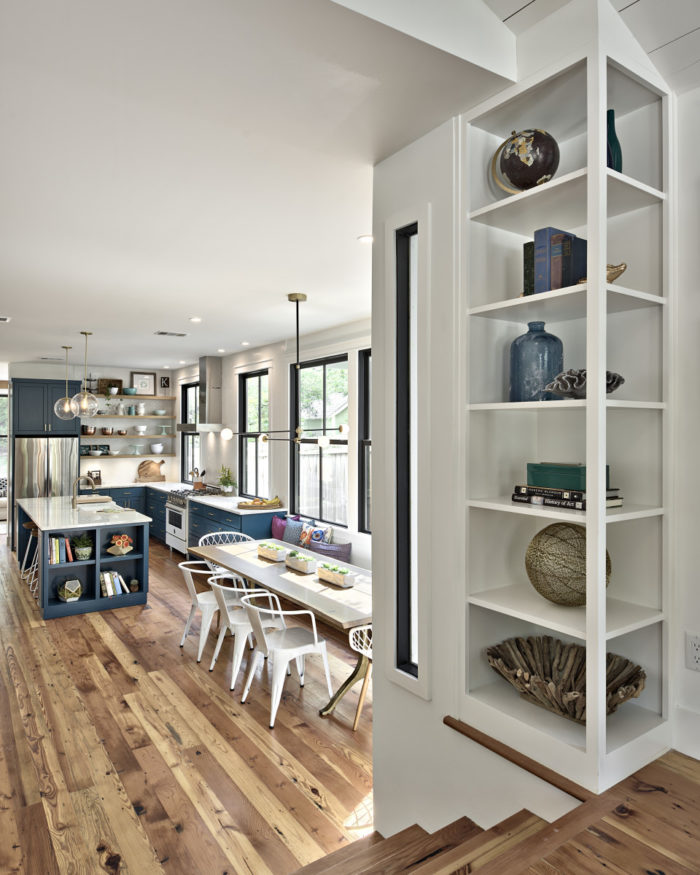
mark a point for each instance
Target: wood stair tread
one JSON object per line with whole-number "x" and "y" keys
{"x": 474, "y": 853}
{"x": 342, "y": 861}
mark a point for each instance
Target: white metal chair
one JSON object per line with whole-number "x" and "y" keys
{"x": 361, "y": 642}
{"x": 30, "y": 572}
{"x": 282, "y": 646}
{"x": 215, "y": 539}
{"x": 235, "y": 619}
{"x": 204, "y": 601}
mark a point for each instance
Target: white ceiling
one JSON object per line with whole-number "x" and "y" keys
{"x": 169, "y": 159}
{"x": 668, "y": 30}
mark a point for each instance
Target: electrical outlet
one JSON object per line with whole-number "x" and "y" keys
{"x": 692, "y": 651}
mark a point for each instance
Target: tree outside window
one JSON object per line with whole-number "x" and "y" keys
{"x": 254, "y": 420}
{"x": 320, "y": 406}
{"x": 191, "y": 458}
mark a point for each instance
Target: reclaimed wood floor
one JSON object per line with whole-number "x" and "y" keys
{"x": 120, "y": 754}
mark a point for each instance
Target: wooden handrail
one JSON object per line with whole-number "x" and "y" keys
{"x": 520, "y": 760}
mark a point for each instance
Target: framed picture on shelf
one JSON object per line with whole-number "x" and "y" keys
{"x": 103, "y": 385}
{"x": 144, "y": 383}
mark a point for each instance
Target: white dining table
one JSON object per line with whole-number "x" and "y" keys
{"x": 342, "y": 608}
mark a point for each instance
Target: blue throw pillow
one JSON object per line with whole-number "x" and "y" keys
{"x": 292, "y": 531}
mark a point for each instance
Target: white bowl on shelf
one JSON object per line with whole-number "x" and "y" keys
{"x": 140, "y": 429}
{"x": 160, "y": 412}
{"x": 95, "y": 453}
{"x": 156, "y": 448}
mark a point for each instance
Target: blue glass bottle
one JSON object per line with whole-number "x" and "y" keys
{"x": 535, "y": 360}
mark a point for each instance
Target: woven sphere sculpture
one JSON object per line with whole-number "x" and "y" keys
{"x": 555, "y": 562}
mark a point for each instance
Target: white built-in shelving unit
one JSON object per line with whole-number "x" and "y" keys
{"x": 623, "y": 327}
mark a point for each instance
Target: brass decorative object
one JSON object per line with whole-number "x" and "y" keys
{"x": 613, "y": 271}
{"x": 555, "y": 562}
{"x": 552, "y": 674}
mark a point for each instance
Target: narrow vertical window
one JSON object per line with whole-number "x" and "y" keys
{"x": 406, "y": 450}
{"x": 190, "y": 456}
{"x": 365, "y": 442}
{"x": 253, "y": 420}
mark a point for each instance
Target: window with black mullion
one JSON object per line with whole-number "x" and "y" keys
{"x": 253, "y": 409}
{"x": 364, "y": 523}
{"x": 190, "y": 455}
{"x": 319, "y": 396}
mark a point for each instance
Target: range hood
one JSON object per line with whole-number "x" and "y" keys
{"x": 209, "y": 397}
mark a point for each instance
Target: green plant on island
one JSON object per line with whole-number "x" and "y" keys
{"x": 335, "y": 568}
{"x": 226, "y": 477}
{"x": 303, "y": 557}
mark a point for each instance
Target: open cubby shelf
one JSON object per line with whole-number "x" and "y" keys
{"x": 625, "y": 327}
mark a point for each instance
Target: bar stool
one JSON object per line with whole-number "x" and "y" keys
{"x": 31, "y": 574}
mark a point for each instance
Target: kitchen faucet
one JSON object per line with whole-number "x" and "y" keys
{"x": 75, "y": 488}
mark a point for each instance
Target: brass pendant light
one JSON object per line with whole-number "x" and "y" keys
{"x": 84, "y": 404}
{"x": 63, "y": 407}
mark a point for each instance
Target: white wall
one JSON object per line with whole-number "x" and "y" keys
{"x": 277, "y": 358}
{"x": 687, "y": 421}
{"x": 424, "y": 771}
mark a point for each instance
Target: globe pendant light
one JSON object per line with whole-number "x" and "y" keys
{"x": 63, "y": 407}
{"x": 84, "y": 403}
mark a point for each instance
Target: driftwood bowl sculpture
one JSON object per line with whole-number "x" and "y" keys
{"x": 552, "y": 674}
{"x": 572, "y": 383}
{"x": 612, "y": 272}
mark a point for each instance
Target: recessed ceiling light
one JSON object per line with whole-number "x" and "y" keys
{"x": 245, "y": 343}
{"x": 221, "y": 350}
{"x": 166, "y": 367}
{"x": 183, "y": 362}
{"x": 195, "y": 318}
{"x": 366, "y": 238}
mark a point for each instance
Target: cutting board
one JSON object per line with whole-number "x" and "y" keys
{"x": 149, "y": 471}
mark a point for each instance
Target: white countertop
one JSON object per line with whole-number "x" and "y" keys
{"x": 229, "y": 503}
{"x": 58, "y": 513}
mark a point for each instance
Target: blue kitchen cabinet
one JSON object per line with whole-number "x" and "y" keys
{"x": 155, "y": 508}
{"x": 32, "y": 407}
{"x": 204, "y": 519}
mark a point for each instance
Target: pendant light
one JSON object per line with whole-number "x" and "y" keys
{"x": 84, "y": 404}
{"x": 63, "y": 407}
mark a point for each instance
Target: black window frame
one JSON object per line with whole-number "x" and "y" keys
{"x": 364, "y": 419}
{"x": 5, "y": 436}
{"x": 244, "y": 436}
{"x": 186, "y": 436}
{"x": 295, "y": 419}
{"x": 403, "y": 438}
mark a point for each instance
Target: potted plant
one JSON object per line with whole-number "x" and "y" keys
{"x": 301, "y": 562}
{"x": 272, "y": 551}
{"x": 82, "y": 546}
{"x": 336, "y": 574}
{"x": 226, "y": 480}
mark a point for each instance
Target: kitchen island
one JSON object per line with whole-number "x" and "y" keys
{"x": 57, "y": 520}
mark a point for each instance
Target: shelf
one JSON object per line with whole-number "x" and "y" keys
{"x": 522, "y": 601}
{"x": 563, "y": 198}
{"x": 564, "y": 404}
{"x": 625, "y": 194}
{"x": 629, "y": 722}
{"x": 131, "y": 416}
{"x": 128, "y": 455}
{"x": 613, "y": 515}
{"x": 75, "y": 564}
{"x": 563, "y": 201}
{"x": 106, "y": 558}
{"x": 561, "y": 305}
{"x": 136, "y": 398}
{"x": 91, "y": 439}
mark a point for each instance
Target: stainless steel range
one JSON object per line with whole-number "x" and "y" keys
{"x": 176, "y": 515}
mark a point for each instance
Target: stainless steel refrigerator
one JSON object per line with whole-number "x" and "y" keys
{"x": 44, "y": 467}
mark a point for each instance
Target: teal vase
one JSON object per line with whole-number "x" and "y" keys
{"x": 614, "y": 148}
{"x": 536, "y": 358}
